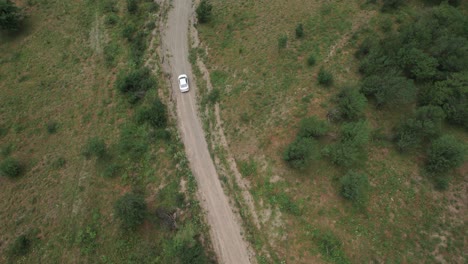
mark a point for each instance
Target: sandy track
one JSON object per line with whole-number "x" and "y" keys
{"x": 225, "y": 230}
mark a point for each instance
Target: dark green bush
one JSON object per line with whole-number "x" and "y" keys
{"x": 282, "y": 42}
{"x": 20, "y": 247}
{"x": 300, "y": 152}
{"x": 350, "y": 150}
{"x": 113, "y": 19}
{"x": 135, "y": 84}
{"x": 451, "y": 95}
{"x": 325, "y": 78}
{"x": 389, "y": 89}
{"x": 446, "y": 153}
{"x": 95, "y": 147}
{"x": 129, "y": 31}
{"x": 110, "y": 51}
{"x": 130, "y": 209}
{"x": 213, "y": 96}
{"x": 355, "y": 187}
{"x": 112, "y": 171}
{"x": 425, "y": 123}
{"x": 52, "y": 127}
{"x": 311, "y": 60}
{"x": 132, "y": 6}
{"x": 110, "y": 6}
{"x": 133, "y": 141}
{"x": 155, "y": 115}
{"x": 11, "y": 16}
{"x": 11, "y": 167}
{"x": 310, "y": 127}
{"x": 299, "y": 30}
{"x": 351, "y": 103}
{"x": 203, "y": 11}
{"x": 331, "y": 248}
{"x": 389, "y": 5}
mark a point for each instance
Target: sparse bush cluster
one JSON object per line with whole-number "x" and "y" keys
{"x": 355, "y": 187}
{"x": 155, "y": 114}
{"x": 95, "y": 147}
{"x": 325, "y": 77}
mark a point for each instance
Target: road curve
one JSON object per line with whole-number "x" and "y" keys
{"x": 225, "y": 230}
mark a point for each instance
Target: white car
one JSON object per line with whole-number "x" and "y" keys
{"x": 183, "y": 83}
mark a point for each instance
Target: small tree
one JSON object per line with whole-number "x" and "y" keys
{"x": 425, "y": 123}
{"x": 155, "y": 115}
{"x": 446, "y": 153}
{"x": 132, "y": 6}
{"x": 20, "y": 247}
{"x": 11, "y": 167}
{"x": 355, "y": 187}
{"x": 300, "y": 152}
{"x": 204, "y": 11}
{"x": 299, "y": 30}
{"x": 131, "y": 210}
{"x": 11, "y": 16}
{"x": 282, "y": 42}
{"x": 311, "y": 60}
{"x": 389, "y": 5}
{"x": 351, "y": 103}
{"x": 389, "y": 89}
{"x": 312, "y": 127}
{"x": 325, "y": 78}
{"x": 95, "y": 147}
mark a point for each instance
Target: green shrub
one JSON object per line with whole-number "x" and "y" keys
{"x": 155, "y": 115}
{"x": 425, "y": 123}
{"x": 203, "y": 11}
{"x": 58, "y": 163}
{"x": 312, "y": 127}
{"x": 52, "y": 127}
{"x": 135, "y": 84}
{"x": 355, "y": 187}
{"x": 95, "y": 147}
{"x": 87, "y": 239}
{"x": 132, "y": 6}
{"x": 331, "y": 248}
{"x": 112, "y": 171}
{"x": 299, "y": 30}
{"x": 446, "y": 153}
{"x": 112, "y": 20}
{"x": 20, "y": 247}
{"x": 350, "y": 150}
{"x": 311, "y": 60}
{"x": 389, "y": 89}
{"x": 11, "y": 167}
{"x": 129, "y": 31}
{"x": 213, "y": 96}
{"x": 351, "y": 103}
{"x": 325, "y": 78}
{"x": 282, "y": 42}
{"x": 389, "y": 5}
{"x": 110, "y": 6}
{"x": 300, "y": 152}
{"x": 110, "y": 51}
{"x": 364, "y": 48}
{"x": 133, "y": 141}
{"x": 130, "y": 209}
{"x": 451, "y": 95}
{"x": 11, "y": 16}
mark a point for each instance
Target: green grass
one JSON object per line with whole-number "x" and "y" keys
{"x": 57, "y": 85}
{"x": 265, "y": 92}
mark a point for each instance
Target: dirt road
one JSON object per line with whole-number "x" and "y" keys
{"x": 225, "y": 230}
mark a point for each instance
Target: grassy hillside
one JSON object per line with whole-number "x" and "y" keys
{"x": 59, "y": 100}
{"x": 268, "y": 81}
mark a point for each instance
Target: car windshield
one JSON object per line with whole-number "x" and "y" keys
{"x": 183, "y": 82}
